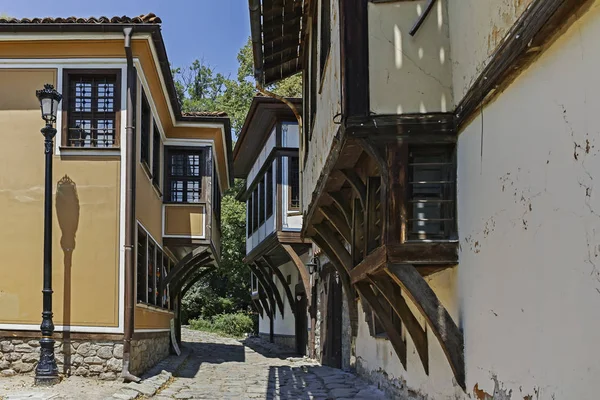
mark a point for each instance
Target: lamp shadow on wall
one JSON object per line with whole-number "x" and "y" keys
{"x": 67, "y": 212}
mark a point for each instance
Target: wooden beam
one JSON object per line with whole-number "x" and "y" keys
{"x": 370, "y": 265}
{"x": 301, "y": 269}
{"x": 441, "y": 323}
{"x": 398, "y": 304}
{"x": 192, "y": 256}
{"x": 358, "y": 233}
{"x": 395, "y": 337}
{"x": 422, "y": 18}
{"x": 179, "y": 279}
{"x": 343, "y": 205}
{"x": 535, "y": 30}
{"x": 265, "y": 303}
{"x": 445, "y": 253}
{"x": 272, "y": 285}
{"x": 257, "y": 305}
{"x": 185, "y": 278}
{"x": 286, "y": 287}
{"x": 200, "y": 275}
{"x": 324, "y": 245}
{"x": 336, "y": 246}
{"x": 357, "y": 184}
{"x": 337, "y": 220}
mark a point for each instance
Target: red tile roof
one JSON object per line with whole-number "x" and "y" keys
{"x": 142, "y": 19}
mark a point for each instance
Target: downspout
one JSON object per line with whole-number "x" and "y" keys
{"x": 129, "y": 215}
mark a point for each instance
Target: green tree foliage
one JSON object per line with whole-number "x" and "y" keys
{"x": 201, "y": 88}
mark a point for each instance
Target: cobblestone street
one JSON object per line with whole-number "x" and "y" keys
{"x": 222, "y": 368}
{"x": 211, "y": 367}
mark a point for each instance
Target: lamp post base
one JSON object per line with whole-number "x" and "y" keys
{"x": 46, "y": 372}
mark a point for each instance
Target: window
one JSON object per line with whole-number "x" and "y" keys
{"x": 92, "y": 104}
{"x": 184, "y": 175}
{"x": 255, "y": 202}
{"x": 325, "y": 33}
{"x": 164, "y": 273}
{"x": 153, "y": 265}
{"x": 269, "y": 195}
{"x": 141, "y": 265}
{"x": 262, "y": 202}
{"x": 156, "y": 157}
{"x": 145, "y": 131}
{"x": 294, "y": 183}
{"x": 216, "y": 196}
{"x": 313, "y": 75}
{"x": 249, "y": 209}
{"x": 151, "y": 271}
{"x": 431, "y": 193}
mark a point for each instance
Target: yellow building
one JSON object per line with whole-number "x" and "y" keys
{"x": 136, "y": 214}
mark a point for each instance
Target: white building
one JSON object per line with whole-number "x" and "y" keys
{"x": 448, "y": 164}
{"x": 266, "y": 155}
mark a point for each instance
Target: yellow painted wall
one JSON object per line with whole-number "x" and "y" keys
{"x": 114, "y": 49}
{"x": 85, "y": 218}
{"x": 184, "y": 220}
{"x": 146, "y": 318}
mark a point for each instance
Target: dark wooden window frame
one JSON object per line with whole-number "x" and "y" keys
{"x": 145, "y": 128}
{"x": 291, "y": 178}
{"x": 159, "y": 272}
{"x": 168, "y": 152}
{"x": 255, "y": 219}
{"x": 250, "y": 216}
{"x": 313, "y": 75}
{"x": 262, "y": 204}
{"x": 269, "y": 191}
{"x": 156, "y": 164}
{"x": 67, "y": 78}
{"x": 325, "y": 39}
{"x": 445, "y": 200}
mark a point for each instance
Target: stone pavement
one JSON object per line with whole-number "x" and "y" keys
{"x": 223, "y": 368}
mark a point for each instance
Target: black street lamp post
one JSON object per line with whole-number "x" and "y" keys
{"x": 46, "y": 372}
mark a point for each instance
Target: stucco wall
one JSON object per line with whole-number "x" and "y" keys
{"x": 409, "y": 74}
{"x": 476, "y": 29}
{"x": 85, "y": 215}
{"x": 328, "y": 105}
{"x": 376, "y": 357}
{"x": 530, "y": 227}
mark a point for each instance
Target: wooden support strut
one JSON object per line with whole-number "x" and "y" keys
{"x": 357, "y": 184}
{"x": 178, "y": 284}
{"x": 286, "y": 287}
{"x": 194, "y": 255}
{"x": 265, "y": 303}
{"x": 338, "y": 221}
{"x": 272, "y": 285}
{"x": 195, "y": 279}
{"x": 343, "y": 273}
{"x": 400, "y": 308}
{"x": 395, "y": 337}
{"x": 342, "y": 205}
{"x": 308, "y": 290}
{"x": 258, "y": 306}
{"x": 441, "y": 323}
{"x": 274, "y": 297}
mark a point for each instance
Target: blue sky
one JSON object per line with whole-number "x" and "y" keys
{"x": 213, "y": 30}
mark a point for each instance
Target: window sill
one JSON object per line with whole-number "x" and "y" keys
{"x": 89, "y": 151}
{"x": 154, "y": 308}
{"x": 157, "y": 189}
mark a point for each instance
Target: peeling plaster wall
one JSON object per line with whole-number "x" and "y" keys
{"x": 409, "y": 74}
{"x": 529, "y": 222}
{"x": 377, "y": 360}
{"x": 328, "y": 106}
{"x": 476, "y": 29}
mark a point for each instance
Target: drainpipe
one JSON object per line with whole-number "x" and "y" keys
{"x": 129, "y": 215}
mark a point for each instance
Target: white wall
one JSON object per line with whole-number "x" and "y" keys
{"x": 328, "y": 106}
{"x": 477, "y": 27}
{"x": 376, "y": 354}
{"x": 409, "y": 74}
{"x": 529, "y": 221}
{"x": 262, "y": 157}
{"x": 283, "y": 325}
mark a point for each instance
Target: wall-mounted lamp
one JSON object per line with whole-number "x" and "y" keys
{"x": 314, "y": 265}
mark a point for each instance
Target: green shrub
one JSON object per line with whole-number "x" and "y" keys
{"x": 236, "y": 324}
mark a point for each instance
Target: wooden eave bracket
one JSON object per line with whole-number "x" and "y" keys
{"x": 279, "y": 275}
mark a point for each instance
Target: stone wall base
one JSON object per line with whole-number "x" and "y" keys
{"x": 287, "y": 341}
{"x": 147, "y": 352}
{"x": 102, "y": 359}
